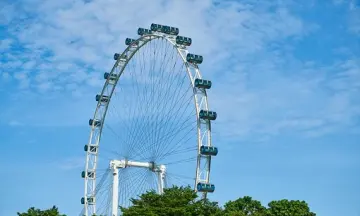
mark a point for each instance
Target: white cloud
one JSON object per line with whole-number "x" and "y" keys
{"x": 5, "y": 44}
{"x": 354, "y": 17}
{"x": 354, "y": 4}
{"x": 265, "y": 88}
{"x": 5, "y": 76}
{"x": 7, "y": 13}
{"x": 43, "y": 87}
{"x": 354, "y": 25}
{"x": 308, "y": 102}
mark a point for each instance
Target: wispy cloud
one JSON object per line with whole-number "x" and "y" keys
{"x": 64, "y": 47}
{"x": 15, "y": 123}
{"x": 354, "y": 20}
{"x": 71, "y": 163}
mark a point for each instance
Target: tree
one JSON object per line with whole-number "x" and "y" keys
{"x": 285, "y": 207}
{"x": 37, "y": 212}
{"x": 175, "y": 201}
{"x": 245, "y": 206}
{"x": 183, "y": 201}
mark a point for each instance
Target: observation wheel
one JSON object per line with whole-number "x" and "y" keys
{"x": 154, "y": 123}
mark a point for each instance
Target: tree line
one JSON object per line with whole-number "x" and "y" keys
{"x": 183, "y": 201}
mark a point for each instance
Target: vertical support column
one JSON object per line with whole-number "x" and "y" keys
{"x": 161, "y": 178}
{"x": 115, "y": 191}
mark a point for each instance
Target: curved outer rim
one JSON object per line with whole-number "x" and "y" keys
{"x": 201, "y": 103}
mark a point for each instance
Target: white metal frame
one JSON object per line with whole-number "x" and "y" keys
{"x": 201, "y": 103}
{"x": 115, "y": 165}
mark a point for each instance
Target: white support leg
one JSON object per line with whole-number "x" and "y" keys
{"x": 115, "y": 192}
{"x": 122, "y": 164}
{"x": 161, "y": 178}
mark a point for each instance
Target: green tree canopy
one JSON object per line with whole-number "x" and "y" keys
{"x": 244, "y": 206}
{"x": 289, "y": 207}
{"x": 176, "y": 201}
{"x": 183, "y": 201}
{"x": 37, "y": 212}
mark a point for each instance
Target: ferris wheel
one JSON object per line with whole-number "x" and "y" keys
{"x": 157, "y": 131}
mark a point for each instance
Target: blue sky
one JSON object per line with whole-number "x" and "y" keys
{"x": 286, "y": 87}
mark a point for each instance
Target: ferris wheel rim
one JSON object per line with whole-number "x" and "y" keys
{"x": 182, "y": 51}
{"x": 151, "y": 37}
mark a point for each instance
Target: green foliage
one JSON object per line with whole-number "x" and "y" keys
{"x": 286, "y": 207}
{"x": 183, "y": 201}
{"x": 176, "y": 201}
{"x": 179, "y": 201}
{"x": 37, "y": 212}
{"x": 245, "y": 206}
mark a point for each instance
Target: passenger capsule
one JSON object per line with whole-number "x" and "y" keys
{"x": 183, "y": 40}
{"x": 92, "y": 149}
{"x": 155, "y": 27}
{"x": 164, "y": 29}
{"x": 109, "y": 76}
{"x": 205, "y": 187}
{"x": 103, "y": 98}
{"x": 90, "y": 174}
{"x": 208, "y": 150}
{"x": 142, "y": 31}
{"x": 207, "y": 115}
{"x": 205, "y": 84}
{"x": 195, "y": 59}
{"x": 96, "y": 123}
{"x": 116, "y": 56}
{"x": 129, "y": 41}
{"x": 90, "y": 200}
{"x": 174, "y": 31}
